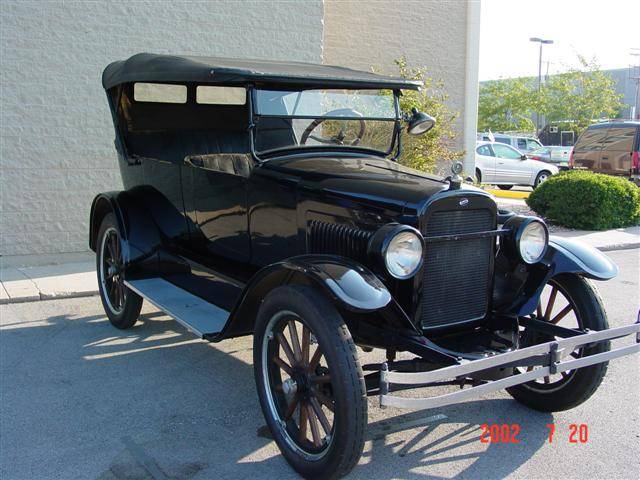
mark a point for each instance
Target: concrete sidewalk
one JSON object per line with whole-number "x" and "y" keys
{"x": 25, "y": 279}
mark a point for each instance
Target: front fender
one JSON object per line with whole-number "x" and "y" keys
{"x": 563, "y": 255}
{"x": 346, "y": 282}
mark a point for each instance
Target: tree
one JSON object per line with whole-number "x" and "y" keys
{"x": 580, "y": 96}
{"x": 575, "y": 99}
{"x": 435, "y": 149}
{"x": 506, "y": 105}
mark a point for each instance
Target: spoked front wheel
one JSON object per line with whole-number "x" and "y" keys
{"x": 570, "y": 301}
{"x": 310, "y": 383}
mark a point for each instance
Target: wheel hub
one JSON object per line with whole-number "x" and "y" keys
{"x": 289, "y": 386}
{"x": 302, "y": 381}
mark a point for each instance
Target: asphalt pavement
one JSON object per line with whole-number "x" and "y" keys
{"x": 80, "y": 399}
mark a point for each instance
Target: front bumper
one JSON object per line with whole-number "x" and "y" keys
{"x": 548, "y": 358}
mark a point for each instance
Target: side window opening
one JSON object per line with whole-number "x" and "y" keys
{"x": 159, "y": 93}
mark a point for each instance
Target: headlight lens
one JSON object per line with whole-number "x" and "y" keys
{"x": 404, "y": 255}
{"x": 533, "y": 242}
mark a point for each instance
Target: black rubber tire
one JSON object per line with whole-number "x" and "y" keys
{"x": 133, "y": 302}
{"x": 537, "y": 181}
{"x": 505, "y": 187}
{"x": 350, "y": 416}
{"x": 478, "y": 176}
{"x": 584, "y": 381}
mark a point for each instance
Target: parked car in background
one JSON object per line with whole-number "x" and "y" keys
{"x": 559, "y": 156}
{"x": 524, "y": 144}
{"x": 610, "y": 148}
{"x": 505, "y": 166}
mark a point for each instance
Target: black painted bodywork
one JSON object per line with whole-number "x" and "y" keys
{"x": 231, "y": 230}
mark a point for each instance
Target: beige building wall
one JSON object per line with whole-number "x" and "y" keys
{"x": 56, "y": 135}
{"x": 441, "y": 35}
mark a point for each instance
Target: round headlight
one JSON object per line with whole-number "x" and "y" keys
{"x": 403, "y": 256}
{"x": 533, "y": 242}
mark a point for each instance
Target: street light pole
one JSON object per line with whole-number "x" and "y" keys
{"x": 541, "y": 41}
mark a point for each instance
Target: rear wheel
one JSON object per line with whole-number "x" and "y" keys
{"x": 478, "y": 176}
{"x": 505, "y": 187}
{"x": 121, "y": 305}
{"x": 570, "y": 301}
{"x": 310, "y": 383}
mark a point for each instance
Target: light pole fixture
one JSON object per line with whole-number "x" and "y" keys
{"x": 541, "y": 41}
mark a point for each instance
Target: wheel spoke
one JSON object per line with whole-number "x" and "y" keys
{"x": 317, "y": 409}
{"x": 315, "y": 430}
{"x": 304, "y": 414}
{"x": 321, "y": 378}
{"x": 286, "y": 348}
{"x": 292, "y": 408}
{"x": 295, "y": 341}
{"x": 547, "y": 379}
{"x": 552, "y": 300}
{"x": 563, "y": 313}
{"x": 109, "y": 244}
{"x": 306, "y": 341}
{"x": 539, "y": 315}
{"x": 283, "y": 365}
{"x": 315, "y": 359}
{"x": 324, "y": 399}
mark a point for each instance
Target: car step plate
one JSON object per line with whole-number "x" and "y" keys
{"x": 197, "y": 315}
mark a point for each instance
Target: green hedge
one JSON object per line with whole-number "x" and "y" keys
{"x": 585, "y": 200}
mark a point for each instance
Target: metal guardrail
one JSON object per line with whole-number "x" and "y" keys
{"x": 555, "y": 350}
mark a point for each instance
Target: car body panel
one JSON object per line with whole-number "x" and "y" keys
{"x": 510, "y": 168}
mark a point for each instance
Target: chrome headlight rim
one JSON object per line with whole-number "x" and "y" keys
{"x": 519, "y": 225}
{"x": 381, "y": 242}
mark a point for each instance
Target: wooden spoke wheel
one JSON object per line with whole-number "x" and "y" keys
{"x": 111, "y": 271}
{"x": 121, "y": 305}
{"x": 300, "y": 384}
{"x": 569, "y": 301}
{"x": 309, "y": 381}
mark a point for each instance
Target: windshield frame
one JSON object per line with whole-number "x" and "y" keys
{"x": 265, "y": 155}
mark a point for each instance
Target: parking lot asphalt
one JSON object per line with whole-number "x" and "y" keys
{"x": 80, "y": 399}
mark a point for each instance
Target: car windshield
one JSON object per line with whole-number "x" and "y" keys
{"x": 327, "y": 118}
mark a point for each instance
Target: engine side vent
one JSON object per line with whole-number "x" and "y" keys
{"x": 337, "y": 239}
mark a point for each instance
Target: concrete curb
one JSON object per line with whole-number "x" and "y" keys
{"x": 43, "y": 297}
{"x": 508, "y": 194}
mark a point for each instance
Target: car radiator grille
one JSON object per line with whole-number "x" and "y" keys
{"x": 457, "y": 272}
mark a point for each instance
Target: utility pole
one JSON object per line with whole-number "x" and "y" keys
{"x": 634, "y": 74}
{"x": 541, "y": 41}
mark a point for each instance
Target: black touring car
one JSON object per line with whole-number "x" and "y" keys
{"x": 264, "y": 198}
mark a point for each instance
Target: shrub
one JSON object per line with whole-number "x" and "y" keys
{"x": 585, "y": 200}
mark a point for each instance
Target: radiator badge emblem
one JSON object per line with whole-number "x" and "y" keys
{"x": 464, "y": 202}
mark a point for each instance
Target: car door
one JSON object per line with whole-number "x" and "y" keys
{"x": 587, "y": 150}
{"x": 486, "y": 162}
{"x": 615, "y": 157}
{"x": 510, "y": 168}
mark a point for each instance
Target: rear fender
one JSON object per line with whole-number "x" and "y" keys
{"x": 563, "y": 256}
{"x": 344, "y": 282}
{"x": 139, "y": 236}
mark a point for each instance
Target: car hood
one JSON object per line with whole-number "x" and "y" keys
{"x": 371, "y": 180}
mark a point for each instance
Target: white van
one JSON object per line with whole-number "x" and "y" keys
{"x": 524, "y": 144}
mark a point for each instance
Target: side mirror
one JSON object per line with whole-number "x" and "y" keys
{"x": 419, "y": 122}
{"x": 523, "y": 157}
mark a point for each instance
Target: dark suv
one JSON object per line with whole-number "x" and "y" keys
{"x": 263, "y": 198}
{"x": 610, "y": 148}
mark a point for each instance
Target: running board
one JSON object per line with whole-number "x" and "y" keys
{"x": 197, "y": 315}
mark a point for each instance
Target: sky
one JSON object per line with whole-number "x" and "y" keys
{"x": 604, "y": 29}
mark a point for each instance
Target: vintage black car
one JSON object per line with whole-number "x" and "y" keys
{"x": 264, "y": 198}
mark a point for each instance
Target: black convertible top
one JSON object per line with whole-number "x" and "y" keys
{"x": 148, "y": 67}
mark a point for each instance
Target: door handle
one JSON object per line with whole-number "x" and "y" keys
{"x": 605, "y": 158}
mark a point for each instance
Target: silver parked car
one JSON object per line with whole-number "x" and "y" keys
{"x": 505, "y": 166}
{"x": 524, "y": 144}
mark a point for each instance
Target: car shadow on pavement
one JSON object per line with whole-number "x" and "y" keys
{"x": 452, "y": 447}
{"x": 156, "y": 402}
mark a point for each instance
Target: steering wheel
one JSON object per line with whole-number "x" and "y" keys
{"x": 337, "y": 139}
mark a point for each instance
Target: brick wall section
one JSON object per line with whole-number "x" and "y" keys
{"x": 429, "y": 33}
{"x": 56, "y": 136}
